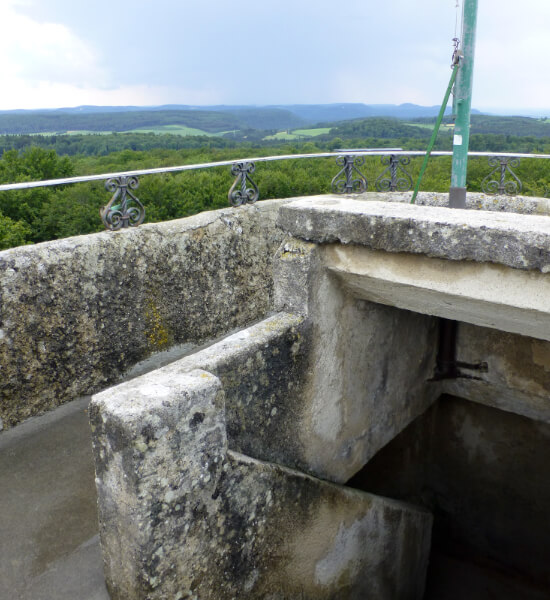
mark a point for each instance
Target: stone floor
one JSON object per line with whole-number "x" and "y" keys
{"x": 49, "y": 546}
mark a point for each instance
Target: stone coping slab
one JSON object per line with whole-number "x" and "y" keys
{"x": 511, "y": 239}
{"x": 474, "y": 200}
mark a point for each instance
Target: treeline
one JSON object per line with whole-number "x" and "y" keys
{"x": 103, "y": 144}
{"x": 40, "y": 214}
{"x": 379, "y": 128}
{"x": 501, "y": 125}
{"x": 516, "y": 126}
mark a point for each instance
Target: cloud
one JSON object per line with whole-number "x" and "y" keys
{"x": 44, "y": 62}
{"x": 46, "y": 65}
{"x": 263, "y": 51}
{"x": 37, "y": 53}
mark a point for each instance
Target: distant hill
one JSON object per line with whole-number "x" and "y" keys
{"x": 218, "y": 119}
{"x": 522, "y": 126}
{"x": 329, "y": 113}
{"x": 376, "y": 127}
{"x": 96, "y": 119}
{"x": 210, "y": 119}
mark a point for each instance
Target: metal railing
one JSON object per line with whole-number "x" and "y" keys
{"x": 125, "y": 209}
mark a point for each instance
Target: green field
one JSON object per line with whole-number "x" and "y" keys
{"x": 173, "y": 129}
{"x": 312, "y": 132}
{"x": 298, "y": 134}
{"x": 159, "y": 130}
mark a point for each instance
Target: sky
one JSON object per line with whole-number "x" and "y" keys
{"x": 60, "y": 53}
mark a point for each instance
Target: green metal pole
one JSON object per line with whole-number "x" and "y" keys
{"x": 463, "y": 104}
{"x": 434, "y": 133}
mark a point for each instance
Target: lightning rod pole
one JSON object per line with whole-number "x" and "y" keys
{"x": 463, "y": 106}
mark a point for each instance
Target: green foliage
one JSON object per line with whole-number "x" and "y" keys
{"x": 379, "y": 127}
{"x": 26, "y": 206}
{"x": 13, "y": 233}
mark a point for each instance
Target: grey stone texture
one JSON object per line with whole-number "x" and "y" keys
{"x": 77, "y": 313}
{"x": 219, "y": 475}
{"x": 159, "y": 445}
{"x": 184, "y": 517}
{"x": 518, "y": 371}
{"x": 49, "y": 543}
{"x": 320, "y": 386}
{"x": 369, "y": 363}
{"x": 484, "y": 294}
{"x": 263, "y": 370}
{"x": 514, "y": 240}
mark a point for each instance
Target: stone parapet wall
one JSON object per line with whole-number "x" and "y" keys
{"x": 263, "y": 370}
{"x": 76, "y": 313}
{"x": 219, "y": 475}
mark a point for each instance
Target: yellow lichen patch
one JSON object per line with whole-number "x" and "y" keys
{"x": 198, "y": 234}
{"x": 157, "y": 332}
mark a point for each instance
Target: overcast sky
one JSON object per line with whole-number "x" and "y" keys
{"x": 56, "y": 53}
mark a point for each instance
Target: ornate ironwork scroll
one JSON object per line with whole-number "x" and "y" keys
{"x": 239, "y": 192}
{"x": 124, "y": 208}
{"x": 502, "y": 165}
{"x": 344, "y": 182}
{"x": 394, "y": 177}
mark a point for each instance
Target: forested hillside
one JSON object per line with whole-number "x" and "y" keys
{"x": 60, "y": 122}
{"x": 379, "y": 127}
{"x": 206, "y": 121}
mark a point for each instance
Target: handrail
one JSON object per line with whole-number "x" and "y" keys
{"x": 124, "y": 209}
{"x": 177, "y": 169}
{"x": 225, "y": 163}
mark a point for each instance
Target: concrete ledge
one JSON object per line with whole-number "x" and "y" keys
{"x": 513, "y": 240}
{"x": 484, "y": 294}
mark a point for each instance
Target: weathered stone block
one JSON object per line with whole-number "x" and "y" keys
{"x": 288, "y": 535}
{"x": 527, "y": 205}
{"x": 263, "y": 370}
{"x": 159, "y": 447}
